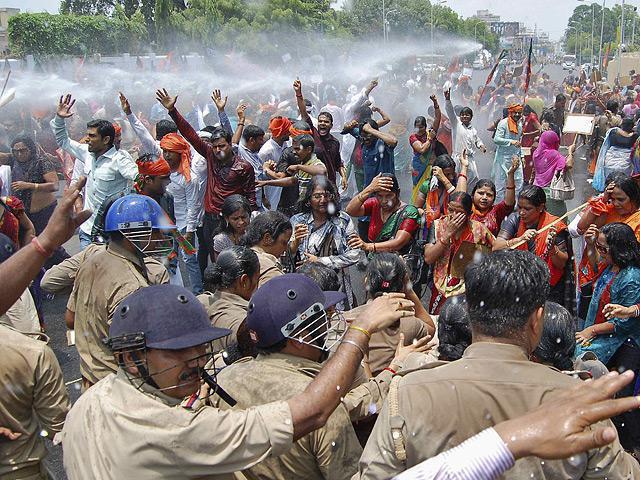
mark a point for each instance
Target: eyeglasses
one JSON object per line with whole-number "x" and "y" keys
{"x": 320, "y": 196}
{"x": 602, "y": 248}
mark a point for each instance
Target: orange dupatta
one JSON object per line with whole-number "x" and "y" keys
{"x": 541, "y": 243}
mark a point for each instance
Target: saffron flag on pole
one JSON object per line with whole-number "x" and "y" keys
{"x": 502, "y": 55}
{"x": 528, "y": 71}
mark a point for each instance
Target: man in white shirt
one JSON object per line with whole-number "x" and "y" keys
{"x": 187, "y": 195}
{"x": 272, "y": 150}
{"x": 109, "y": 171}
{"x": 465, "y": 137}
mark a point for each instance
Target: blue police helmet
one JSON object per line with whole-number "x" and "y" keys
{"x": 136, "y": 211}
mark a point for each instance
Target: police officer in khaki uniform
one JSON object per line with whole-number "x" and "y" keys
{"x": 291, "y": 348}
{"x": 430, "y": 411}
{"x": 134, "y": 224}
{"x": 233, "y": 278}
{"x": 138, "y": 424}
{"x": 33, "y": 398}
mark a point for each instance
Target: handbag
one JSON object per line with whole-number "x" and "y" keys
{"x": 562, "y": 186}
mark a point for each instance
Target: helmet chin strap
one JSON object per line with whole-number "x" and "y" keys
{"x": 144, "y": 373}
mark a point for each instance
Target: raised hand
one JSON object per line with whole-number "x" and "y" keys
{"x": 447, "y": 94}
{"x": 64, "y": 221}
{"x": 297, "y": 87}
{"x": 124, "y": 103}
{"x": 165, "y": 99}
{"x": 591, "y": 234}
{"x": 220, "y": 102}
{"x": 558, "y": 428}
{"x": 240, "y": 111}
{"x": 434, "y": 99}
{"x": 64, "y": 106}
{"x": 380, "y": 184}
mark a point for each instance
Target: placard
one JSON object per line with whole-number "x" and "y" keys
{"x": 579, "y": 123}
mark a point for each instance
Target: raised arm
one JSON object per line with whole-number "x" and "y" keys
{"x": 59, "y": 127}
{"x": 302, "y": 108}
{"x": 386, "y": 119}
{"x": 187, "y": 131}
{"x": 387, "y": 138}
{"x": 237, "y": 135}
{"x": 221, "y": 103}
{"x": 17, "y": 272}
{"x": 149, "y": 144}
{"x": 355, "y": 208}
{"x": 510, "y": 193}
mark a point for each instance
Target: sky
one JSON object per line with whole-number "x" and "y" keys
{"x": 550, "y": 16}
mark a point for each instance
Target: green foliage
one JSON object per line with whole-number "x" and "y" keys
{"x": 46, "y": 34}
{"x": 113, "y": 26}
{"x": 412, "y": 18}
{"x": 586, "y": 17}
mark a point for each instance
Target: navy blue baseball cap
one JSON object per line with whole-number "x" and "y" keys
{"x": 281, "y": 300}
{"x": 170, "y": 317}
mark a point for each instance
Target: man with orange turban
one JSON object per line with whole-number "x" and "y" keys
{"x": 507, "y": 140}
{"x": 152, "y": 181}
{"x": 272, "y": 150}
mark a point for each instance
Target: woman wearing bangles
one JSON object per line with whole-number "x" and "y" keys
{"x": 485, "y": 210}
{"x": 393, "y": 222}
{"x": 615, "y": 340}
{"x": 553, "y": 245}
{"x": 455, "y": 241}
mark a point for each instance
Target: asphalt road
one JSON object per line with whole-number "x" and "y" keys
{"x": 54, "y": 308}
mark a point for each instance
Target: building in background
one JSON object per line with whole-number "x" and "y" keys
{"x": 5, "y": 14}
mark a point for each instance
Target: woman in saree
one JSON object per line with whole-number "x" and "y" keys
{"x": 485, "y": 209}
{"x": 393, "y": 223}
{"x": 548, "y": 161}
{"x": 321, "y": 233}
{"x": 425, "y": 147}
{"x": 614, "y": 339}
{"x": 522, "y": 230}
{"x": 616, "y": 153}
{"x": 620, "y": 202}
{"x": 455, "y": 241}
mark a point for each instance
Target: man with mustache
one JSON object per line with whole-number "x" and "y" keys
{"x": 327, "y": 147}
{"x": 227, "y": 173}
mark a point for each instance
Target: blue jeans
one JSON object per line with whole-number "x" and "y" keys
{"x": 193, "y": 268}
{"x": 85, "y": 239}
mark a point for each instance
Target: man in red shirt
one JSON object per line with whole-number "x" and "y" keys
{"x": 227, "y": 173}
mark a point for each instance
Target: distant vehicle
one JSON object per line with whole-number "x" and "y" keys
{"x": 568, "y": 62}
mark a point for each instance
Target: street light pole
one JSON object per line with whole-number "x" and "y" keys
{"x": 441, "y": 2}
{"x": 593, "y": 19}
{"x": 384, "y": 24}
{"x": 601, "y": 38}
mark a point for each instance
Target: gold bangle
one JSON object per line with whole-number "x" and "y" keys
{"x": 36, "y": 186}
{"x": 361, "y": 330}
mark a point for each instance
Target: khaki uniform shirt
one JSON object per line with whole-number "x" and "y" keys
{"x": 103, "y": 281}
{"x": 331, "y": 452}
{"x": 225, "y": 310}
{"x": 22, "y": 315}
{"x": 270, "y": 266}
{"x": 115, "y": 431}
{"x": 33, "y": 401}
{"x": 383, "y": 344}
{"x": 442, "y": 407}
{"x": 60, "y": 278}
